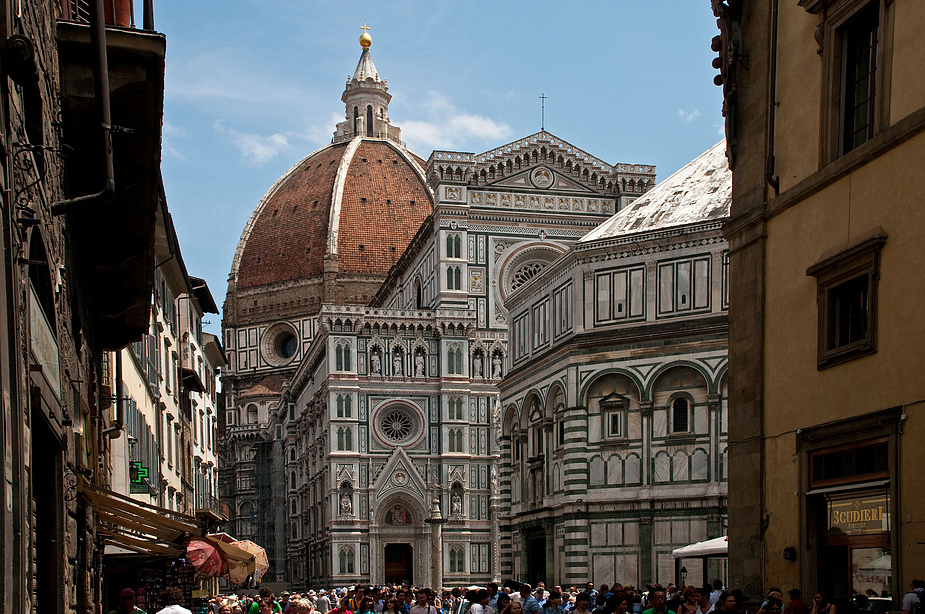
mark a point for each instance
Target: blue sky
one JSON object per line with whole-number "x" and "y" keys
{"x": 254, "y": 86}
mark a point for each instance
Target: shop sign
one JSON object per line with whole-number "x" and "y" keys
{"x": 859, "y": 515}
{"x": 138, "y": 479}
{"x": 43, "y": 344}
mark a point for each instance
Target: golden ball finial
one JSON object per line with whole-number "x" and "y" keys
{"x": 365, "y": 39}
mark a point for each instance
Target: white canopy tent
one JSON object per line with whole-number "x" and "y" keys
{"x": 716, "y": 548}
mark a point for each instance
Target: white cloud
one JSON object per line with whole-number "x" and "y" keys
{"x": 448, "y": 127}
{"x": 256, "y": 149}
{"x": 173, "y": 130}
{"x": 689, "y": 116}
{"x": 172, "y": 133}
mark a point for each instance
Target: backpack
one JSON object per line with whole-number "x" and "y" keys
{"x": 918, "y": 606}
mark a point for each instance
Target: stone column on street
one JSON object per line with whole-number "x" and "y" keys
{"x": 436, "y": 521}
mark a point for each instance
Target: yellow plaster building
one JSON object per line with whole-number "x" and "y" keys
{"x": 825, "y": 108}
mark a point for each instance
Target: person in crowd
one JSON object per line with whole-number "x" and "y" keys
{"x": 343, "y": 607}
{"x": 774, "y": 606}
{"x": 540, "y": 594}
{"x": 422, "y": 606}
{"x": 821, "y": 604}
{"x": 717, "y": 591}
{"x": 673, "y": 598}
{"x": 514, "y": 607}
{"x": 265, "y": 593}
{"x": 621, "y": 603}
{"x": 528, "y": 601}
{"x": 322, "y": 603}
{"x": 480, "y": 602}
{"x": 690, "y": 601}
{"x": 366, "y": 606}
{"x": 127, "y": 605}
{"x": 504, "y": 599}
{"x": 173, "y": 597}
{"x": 301, "y": 606}
{"x": 796, "y": 605}
{"x": 592, "y": 595}
{"x": 553, "y": 603}
{"x": 658, "y": 602}
{"x": 726, "y": 603}
{"x": 916, "y": 595}
{"x": 493, "y": 596}
{"x": 773, "y": 593}
{"x": 581, "y": 603}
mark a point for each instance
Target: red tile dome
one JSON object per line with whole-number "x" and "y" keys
{"x": 357, "y": 203}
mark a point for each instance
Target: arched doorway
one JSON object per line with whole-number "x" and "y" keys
{"x": 399, "y": 568}
{"x": 399, "y": 541}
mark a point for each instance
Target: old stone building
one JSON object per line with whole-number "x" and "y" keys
{"x": 613, "y": 441}
{"x": 78, "y": 206}
{"x": 366, "y": 328}
{"x": 824, "y": 125}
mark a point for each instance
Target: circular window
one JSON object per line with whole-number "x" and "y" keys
{"x": 396, "y": 425}
{"x": 286, "y": 344}
{"x": 279, "y": 344}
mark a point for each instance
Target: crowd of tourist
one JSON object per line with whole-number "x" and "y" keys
{"x": 517, "y": 598}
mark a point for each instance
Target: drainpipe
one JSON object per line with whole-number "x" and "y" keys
{"x": 769, "y": 177}
{"x": 115, "y": 431}
{"x": 101, "y": 85}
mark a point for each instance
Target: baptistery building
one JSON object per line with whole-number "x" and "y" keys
{"x": 614, "y": 419}
{"x": 366, "y": 327}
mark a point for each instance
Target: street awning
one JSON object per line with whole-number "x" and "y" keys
{"x": 140, "y": 527}
{"x": 718, "y": 546}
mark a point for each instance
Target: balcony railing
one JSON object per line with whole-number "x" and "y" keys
{"x": 119, "y": 13}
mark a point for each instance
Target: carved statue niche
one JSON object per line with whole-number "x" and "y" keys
{"x": 478, "y": 364}
{"x": 497, "y": 359}
{"x": 456, "y": 500}
{"x": 375, "y": 361}
{"x": 397, "y": 363}
{"x": 345, "y": 498}
{"x": 420, "y": 362}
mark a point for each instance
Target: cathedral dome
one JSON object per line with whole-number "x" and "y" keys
{"x": 356, "y": 204}
{"x": 330, "y": 229}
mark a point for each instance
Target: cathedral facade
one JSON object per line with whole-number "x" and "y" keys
{"x": 366, "y": 325}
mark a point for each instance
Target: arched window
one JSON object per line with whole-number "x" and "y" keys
{"x": 252, "y": 414}
{"x": 680, "y": 415}
{"x": 348, "y": 439}
{"x": 454, "y": 364}
{"x": 292, "y": 480}
{"x": 457, "y": 559}
{"x": 369, "y": 120}
{"x": 339, "y": 358}
{"x": 292, "y": 454}
{"x": 293, "y": 507}
{"x": 457, "y": 274}
{"x": 295, "y": 530}
{"x": 343, "y": 406}
{"x": 340, "y": 438}
{"x": 356, "y": 114}
{"x": 449, "y": 246}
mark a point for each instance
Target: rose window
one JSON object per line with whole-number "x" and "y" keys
{"x": 396, "y": 425}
